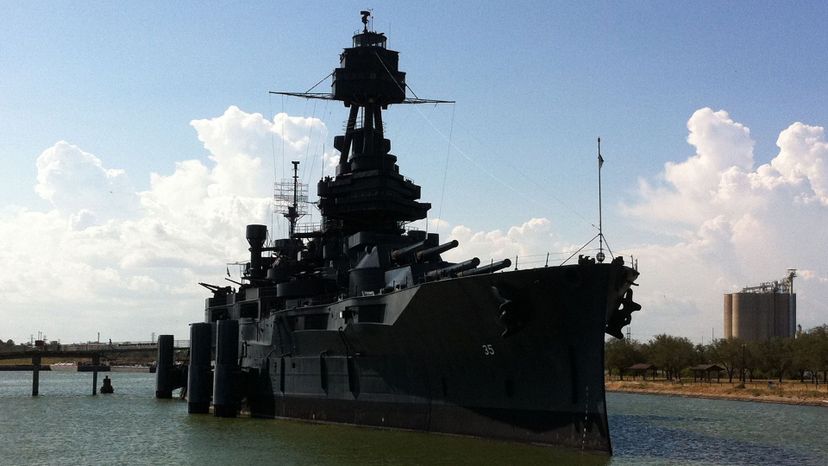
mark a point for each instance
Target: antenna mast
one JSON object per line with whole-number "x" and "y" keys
{"x": 291, "y": 198}
{"x": 600, "y": 256}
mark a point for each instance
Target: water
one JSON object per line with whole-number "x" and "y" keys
{"x": 66, "y": 425}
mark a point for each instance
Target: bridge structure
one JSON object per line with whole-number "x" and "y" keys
{"x": 93, "y": 351}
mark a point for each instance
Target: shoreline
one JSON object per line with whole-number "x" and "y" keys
{"x": 795, "y": 394}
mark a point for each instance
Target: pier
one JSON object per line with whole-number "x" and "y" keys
{"x": 95, "y": 352}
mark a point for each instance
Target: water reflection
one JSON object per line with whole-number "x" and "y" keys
{"x": 66, "y": 425}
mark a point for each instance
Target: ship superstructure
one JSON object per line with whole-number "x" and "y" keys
{"x": 362, "y": 321}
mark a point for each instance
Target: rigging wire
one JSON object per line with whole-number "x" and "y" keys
{"x": 445, "y": 171}
{"x": 273, "y": 155}
{"x": 465, "y": 155}
{"x": 593, "y": 249}
{"x": 284, "y": 117}
{"x": 565, "y": 205}
{"x": 307, "y": 172}
{"x": 320, "y": 82}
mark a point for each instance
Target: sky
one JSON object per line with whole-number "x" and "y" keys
{"x": 138, "y": 139}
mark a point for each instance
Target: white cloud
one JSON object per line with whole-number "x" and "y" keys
{"x": 127, "y": 263}
{"x": 802, "y": 160}
{"x": 726, "y": 224}
{"x": 529, "y": 242}
{"x": 77, "y": 183}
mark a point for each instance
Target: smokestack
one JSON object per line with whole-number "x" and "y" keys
{"x": 256, "y": 236}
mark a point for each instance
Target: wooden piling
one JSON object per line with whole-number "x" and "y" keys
{"x": 96, "y": 360}
{"x": 35, "y": 375}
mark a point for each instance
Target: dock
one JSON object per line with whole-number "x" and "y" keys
{"x": 93, "y": 352}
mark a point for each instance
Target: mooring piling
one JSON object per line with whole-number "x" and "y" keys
{"x": 35, "y": 375}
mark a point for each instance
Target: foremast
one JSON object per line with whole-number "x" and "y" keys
{"x": 368, "y": 192}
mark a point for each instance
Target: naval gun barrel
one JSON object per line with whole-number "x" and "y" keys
{"x": 453, "y": 269}
{"x": 400, "y": 254}
{"x": 426, "y": 254}
{"x": 215, "y": 288}
{"x": 493, "y": 267}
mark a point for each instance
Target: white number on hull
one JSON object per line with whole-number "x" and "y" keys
{"x": 488, "y": 350}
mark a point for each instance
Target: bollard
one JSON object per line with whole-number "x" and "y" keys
{"x": 225, "y": 399}
{"x": 164, "y": 377}
{"x": 199, "y": 382}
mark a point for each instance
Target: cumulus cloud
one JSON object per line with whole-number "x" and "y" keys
{"x": 239, "y": 142}
{"x": 77, "y": 183}
{"x": 726, "y": 223}
{"x": 532, "y": 237}
{"x": 127, "y": 263}
{"x": 802, "y": 160}
{"x": 533, "y": 243}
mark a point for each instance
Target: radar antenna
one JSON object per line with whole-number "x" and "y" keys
{"x": 291, "y": 198}
{"x": 365, "y": 15}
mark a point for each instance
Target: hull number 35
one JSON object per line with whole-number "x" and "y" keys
{"x": 488, "y": 350}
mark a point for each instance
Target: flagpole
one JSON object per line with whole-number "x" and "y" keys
{"x": 600, "y": 256}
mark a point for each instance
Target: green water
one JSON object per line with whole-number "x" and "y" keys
{"x": 66, "y": 425}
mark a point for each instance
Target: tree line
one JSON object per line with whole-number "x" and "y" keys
{"x": 803, "y": 357}
{"x": 9, "y": 345}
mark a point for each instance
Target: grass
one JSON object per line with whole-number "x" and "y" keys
{"x": 790, "y": 391}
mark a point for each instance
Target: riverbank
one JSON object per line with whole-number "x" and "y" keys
{"x": 788, "y": 392}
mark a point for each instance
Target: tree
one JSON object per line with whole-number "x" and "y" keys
{"x": 818, "y": 351}
{"x": 673, "y": 354}
{"x": 806, "y": 354}
{"x": 702, "y": 354}
{"x": 728, "y": 353}
{"x": 774, "y": 356}
{"x": 621, "y": 354}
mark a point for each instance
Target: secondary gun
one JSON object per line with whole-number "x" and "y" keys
{"x": 427, "y": 254}
{"x": 453, "y": 269}
{"x": 491, "y": 268}
{"x": 404, "y": 255}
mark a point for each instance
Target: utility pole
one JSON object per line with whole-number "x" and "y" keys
{"x": 744, "y": 372}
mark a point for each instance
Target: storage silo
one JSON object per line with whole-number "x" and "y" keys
{"x": 728, "y": 316}
{"x": 761, "y": 312}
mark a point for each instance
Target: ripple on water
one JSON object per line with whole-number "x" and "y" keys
{"x": 677, "y": 430}
{"x": 68, "y": 426}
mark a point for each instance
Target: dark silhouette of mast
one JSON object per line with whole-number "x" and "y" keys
{"x": 293, "y": 210}
{"x": 368, "y": 192}
{"x": 291, "y": 198}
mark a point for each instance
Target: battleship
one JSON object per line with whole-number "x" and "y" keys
{"x": 361, "y": 321}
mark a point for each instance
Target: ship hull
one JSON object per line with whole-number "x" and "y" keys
{"x": 434, "y": 357}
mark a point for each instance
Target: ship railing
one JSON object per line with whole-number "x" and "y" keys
{"x": 549, "y": 259}
{"x": 308, "y": 227}
{"x": 95, "y": 346}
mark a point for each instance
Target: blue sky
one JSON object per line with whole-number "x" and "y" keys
{"x": 535, "y": 84}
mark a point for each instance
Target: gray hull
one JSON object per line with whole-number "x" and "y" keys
{"x": 432, "y": 357}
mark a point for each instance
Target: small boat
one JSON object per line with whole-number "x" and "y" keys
{"x": 64, "y": 366}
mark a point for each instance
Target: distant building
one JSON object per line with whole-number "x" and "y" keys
{"x": 762, "y": 312}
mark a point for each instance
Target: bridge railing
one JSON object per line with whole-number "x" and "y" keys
{"x": 95, "y": 346}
